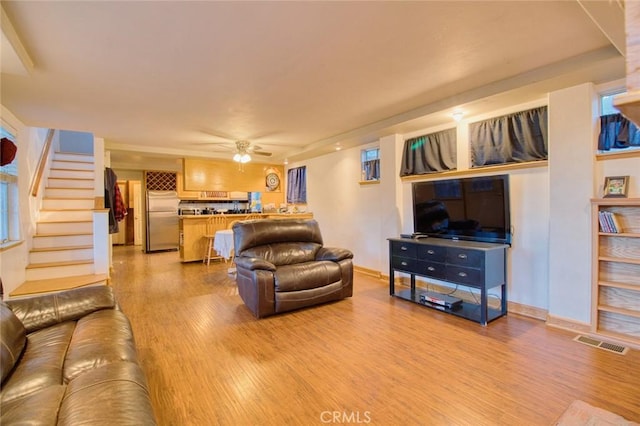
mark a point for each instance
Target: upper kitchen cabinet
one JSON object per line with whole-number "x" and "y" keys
{"x": 182, "y": 193}
{"x": 219, "y": 175}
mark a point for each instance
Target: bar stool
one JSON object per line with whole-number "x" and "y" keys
{"x": 214, "y": 223}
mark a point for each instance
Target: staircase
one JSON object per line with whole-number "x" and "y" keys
{"x": 62, "y": 251}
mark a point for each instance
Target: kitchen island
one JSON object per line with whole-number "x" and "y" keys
{"x": 193, "y": 228}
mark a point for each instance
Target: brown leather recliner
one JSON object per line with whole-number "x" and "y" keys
{"x": 69, "y": 358}
{"x": 282, "y": 265}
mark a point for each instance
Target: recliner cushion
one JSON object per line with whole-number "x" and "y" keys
{"x": 100, "y": 338}
{"x": 14, "y": 338}
{"x": 41, "y": 363}
{"x": 305, "y": 276}
{"x": 285, "y": 253}
{"x": 122, "y": 388}
{"x": 37, "y": 408}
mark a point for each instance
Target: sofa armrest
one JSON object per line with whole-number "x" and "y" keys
{"x": 253, "y": 263}
{"x": 334, "y": 254}
{"x": 43, "y": 311}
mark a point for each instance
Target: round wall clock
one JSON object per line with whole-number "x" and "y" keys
{"x": 273, "y": 181}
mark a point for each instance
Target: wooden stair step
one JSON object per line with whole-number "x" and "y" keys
{"x": 55, "y": 264}
{"x": 73, "y": 156}
{"x": 70, "y": 178}
{"x": 66, "y": 210}
{"x": 43, "y": 249}
{"x": 67, "y": 198}
{"x": 81, "y": 154}
{"x": 67, "y": 188}
{"x": 65, "y": 221}
{"x": 58, "y": 284}
{"x": 63, "y": 234}
{"x": 76, "y": 160}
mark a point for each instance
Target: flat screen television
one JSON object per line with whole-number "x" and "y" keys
{"x": 475, "y": 208}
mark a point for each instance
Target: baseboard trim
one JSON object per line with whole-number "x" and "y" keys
{"x": 567, "y": 324}
{"x": 512, "y": 307}
{"x": 367, "y": 271}
{"x": 527, "y": 311}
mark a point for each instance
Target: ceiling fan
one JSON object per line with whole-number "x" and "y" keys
{"x": 244, "y": 148}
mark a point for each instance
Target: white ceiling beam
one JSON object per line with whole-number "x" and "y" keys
{"x": 12, "y": 37}
{"x": 609, "y": 18}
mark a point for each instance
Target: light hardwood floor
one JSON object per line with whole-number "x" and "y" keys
{"x": 369, "y": 359}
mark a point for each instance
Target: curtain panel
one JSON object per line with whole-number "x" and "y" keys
{"x": 297, "y": 185}
{"x": 513, "y": 138}
{"x": 617, "y": 132}
{"x": 435, "y": 152}
{"x": 371, "y": 169}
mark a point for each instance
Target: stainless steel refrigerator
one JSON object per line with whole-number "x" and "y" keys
{"x": 162, "y": 221}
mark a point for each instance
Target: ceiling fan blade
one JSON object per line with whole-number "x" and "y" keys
{"x": 219, "y": 135}
{"x": 263, "y": 153}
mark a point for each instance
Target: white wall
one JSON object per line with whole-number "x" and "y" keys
{"x": 362, "y": 217}
{"x": 30, "y": 142}
{"x": 77, "y": 142}
{"x": 348, "y": 213}
{"x": 572, "y": 125}
{"x": 550, "y": 258}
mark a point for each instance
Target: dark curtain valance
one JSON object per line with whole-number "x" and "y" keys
{"x": 435, "y": 152}
{"x": 616, "y": 132}
{"x": 513, "y": 138}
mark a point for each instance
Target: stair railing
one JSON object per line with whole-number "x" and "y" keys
{"x": 42, "y": 162}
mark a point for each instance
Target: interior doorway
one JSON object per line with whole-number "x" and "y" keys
{"x": 130, "y": 228}
{"x": 138, "y": 211}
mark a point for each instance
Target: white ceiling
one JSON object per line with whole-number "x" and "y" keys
{"x": 178, "y": 78}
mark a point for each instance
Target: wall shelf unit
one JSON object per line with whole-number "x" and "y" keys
{"x": 616, "y": 271}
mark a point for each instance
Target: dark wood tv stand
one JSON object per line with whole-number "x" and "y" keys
{"x": 469, "y": 263}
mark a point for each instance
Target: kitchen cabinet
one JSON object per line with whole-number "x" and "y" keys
{"x": 207, "y": 195}
{"x": 220, "y": 175}
{"x": 182, "y": 193}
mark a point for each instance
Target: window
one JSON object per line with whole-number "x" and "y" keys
{"x": 8, "y": 191}
{"x": 297, "y": 185}
{"x": 606, "y": 104}
{"x": 617, "y": 133}
{"x": 370, "y": 160}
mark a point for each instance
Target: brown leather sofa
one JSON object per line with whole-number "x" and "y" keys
{"x": 282, "y": 265}
{"x": 69, "y": 359}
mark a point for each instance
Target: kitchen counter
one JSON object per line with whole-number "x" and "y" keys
{"x": 193, "y": 228}
{"x": 240, "y": 216}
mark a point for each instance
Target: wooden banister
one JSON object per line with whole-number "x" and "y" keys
{"x": 42, "y": 162}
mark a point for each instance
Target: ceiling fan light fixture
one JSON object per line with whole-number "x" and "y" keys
{"x": 237, "y": 157}
{"x": 245, "y": 158}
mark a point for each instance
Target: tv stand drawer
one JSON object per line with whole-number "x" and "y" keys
{"x": 432, "y": 269}
{"x": 432, "y": 252}
{"x": 467, "y": 276}
{"x": 404, "y": 248}
{"x": 465, "y": 257}
{"x": 404, "y": 264}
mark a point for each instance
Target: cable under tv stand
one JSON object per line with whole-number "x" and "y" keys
{"x": 472, "y": 264}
